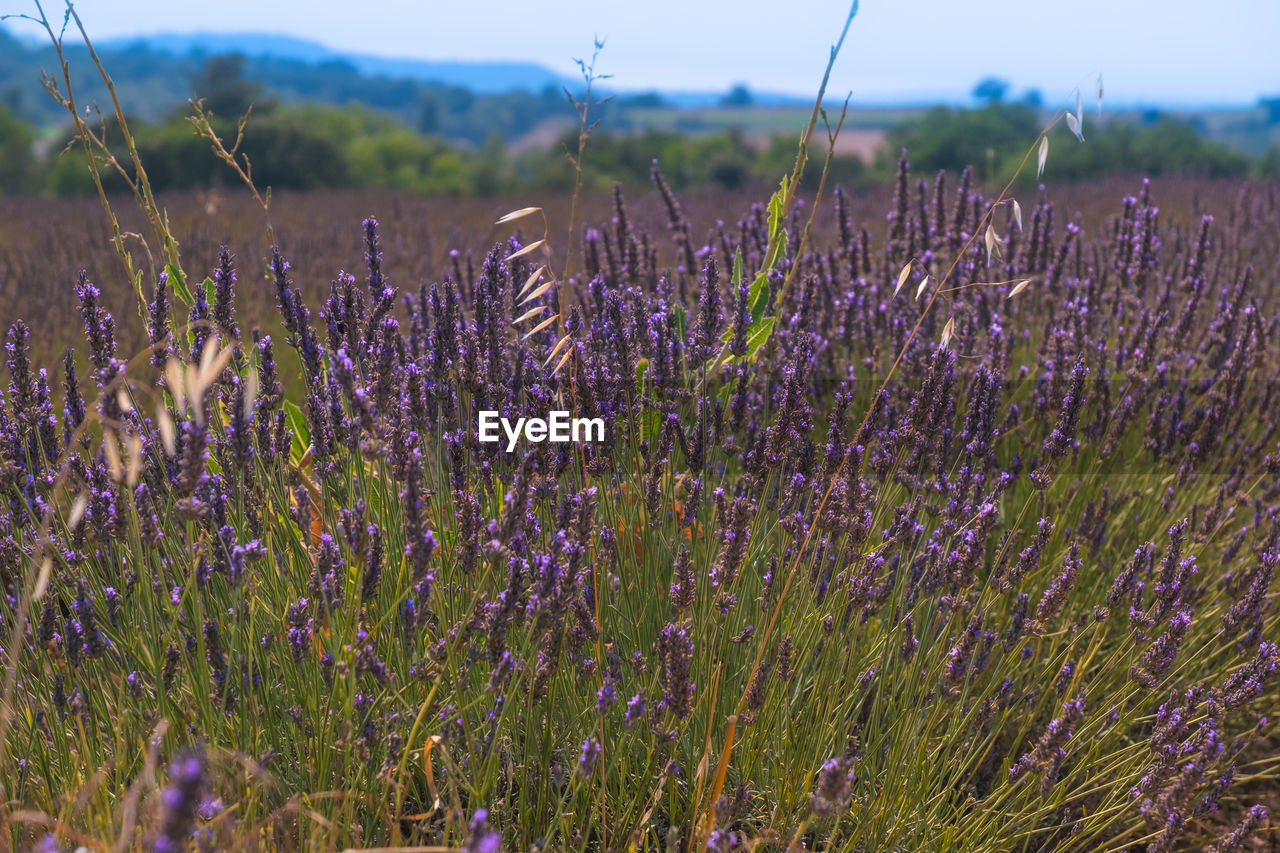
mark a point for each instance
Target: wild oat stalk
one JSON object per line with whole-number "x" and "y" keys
{"x": 94, "y": 144}
{"x": 233, "y": 156}
{"x": 984, "y": 226}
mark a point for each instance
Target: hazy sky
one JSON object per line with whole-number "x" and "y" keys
{"x": 1147, "y": 50}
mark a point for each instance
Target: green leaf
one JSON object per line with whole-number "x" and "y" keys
{"x": 650, "y": 426}
{"x": 142, "y": 297}
{"x": 210, "y": 291}
{"x": 759, "y": 335}
{"x": 775, "y": 211}
{"x": 298, "y": 426}
{"x": 756, "y": 338}
{"x": 760, "y": 292}
{"x": 759, "y": 297}
{"x": 734, "y": 281}
{"x": 179, "y": 282}
{"x": 777, "y": 246}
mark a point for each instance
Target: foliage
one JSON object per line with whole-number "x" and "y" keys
{"x": 1268, "y": 166}
{"x": 294, "y": 146}
{"x": 991, "y": 138}
{"x": 298, "y": 147}
{"x": 155, "y": 84}
{"x": 990, "y": 89}
{"x": 18, "y": 168}
{"x": 401, "y": 159}
{"x": 777, "y": 156}
{"x": 226, "y": 92}
{"x": 946, "y": 138}
{"x": 1165, "y": 146}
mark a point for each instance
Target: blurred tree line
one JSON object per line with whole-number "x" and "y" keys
{"x": 152, "y": 84}
{"x": 993, "y": 139}
{"x": 306, "y": 146}
{"x": 20, "y": 174}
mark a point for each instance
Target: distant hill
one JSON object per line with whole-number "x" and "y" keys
{"x": 463, "y": 100}
{"x": 481, "y": 77}
{"x": 156, "y": 75}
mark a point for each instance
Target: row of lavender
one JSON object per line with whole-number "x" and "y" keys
{"x": 1014, "y": 590}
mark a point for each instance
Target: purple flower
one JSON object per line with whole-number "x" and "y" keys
{"x": 587, "y": 758}
{"x": 674, "y": 652}
{"x": 1241, "y": 832}
{"x": 1055, "y": 596}
{"x": 188, "y": 781}
{"x": 1246, "y": 683}
{"x": 224, "y": 279}
{"x": 834, "y": 788}
{"x": 1046, "y": 757}
{"x": 484, "y": 839}
{"x": 635, "y": 710}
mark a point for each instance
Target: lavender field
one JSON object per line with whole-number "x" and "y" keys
{"x": 440, "y": 504}
{"x": 950, "y": 567}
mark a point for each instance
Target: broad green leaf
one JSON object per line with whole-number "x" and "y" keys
{"x": 297, "y": 426}
{"x": 179, "y": 282}
{"x": 650, "y": 426}
{"x": 759, "y": 335}
{"x": 777, "y": 231}
{"x": 734, "y": 281}
{"x": 759, "y": 298}
{"x": 756, "y": 338}
{"x": 137, "y": 289}
{"x": 776, "y": 213}
{"x": 760, "y": 292}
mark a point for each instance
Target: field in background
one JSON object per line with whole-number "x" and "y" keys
{"x": 44, "y": 243}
